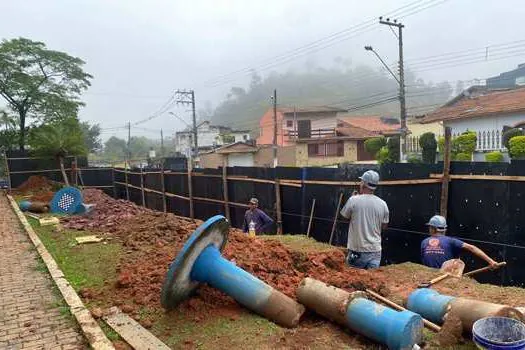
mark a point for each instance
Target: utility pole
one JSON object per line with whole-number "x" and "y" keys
{"x": 402, "y": 101}
{"x": 274, "y": 100}
{"x": 187, "y": 97}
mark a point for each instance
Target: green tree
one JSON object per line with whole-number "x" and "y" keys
{"x": 58, "y": 139}
{"x": 8, "y": 131}
{"x": 374, "y": 144}
{"x": 428, "y": 144}
{"x": 91, "y": 136}
{"x": 115, "y": 148}
{"x": 393, "y": 149}
{"x": 39, "y": 83}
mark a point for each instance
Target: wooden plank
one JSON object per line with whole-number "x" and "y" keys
{"x": 88, "y": 239}
{"x": 39, "y": 171}
{"x": 278, "y": 207}
{"x": 132, "y": 332}
{"x": 446, "y": 173}
{"x": 127, "y": 184}
{"x": 356, "y": 183}
{"x": 482, "y": 177}
{"x": 225, "y": 186}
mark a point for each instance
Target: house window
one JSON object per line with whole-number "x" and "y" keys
{"x": 289, "y": 123}
{"x": 245, "y": 137}
{"x": 332, "y": 149}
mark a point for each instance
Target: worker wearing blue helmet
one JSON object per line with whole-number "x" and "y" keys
{"x": 439, "y": 248}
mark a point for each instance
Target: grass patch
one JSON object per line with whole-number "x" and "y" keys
{"x": 110, "y": 333}
{"x": 86, "y": 265}
{"x": 300, "y": 243}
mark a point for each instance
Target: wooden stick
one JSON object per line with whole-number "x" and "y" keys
{"x": 482, "y": 177}
{"x": 190, "y": 188}
{"x": 395, "y": 306}
{"x": 311, "y": 217}
{"x": 486, "y": 268}
{"x": 39, "y": 171}
{"x": 446, "y": 173}
{"x": 355, "y": 183}
{"x": 225, "y": 186}
{"x": 278, "y": 207}
{"x": 335, "y": 218}
{"x": 163, "y": 185}
{"x": 142, "y": 189}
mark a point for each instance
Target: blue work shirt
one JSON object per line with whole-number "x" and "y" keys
{"x": 259, "y": 218}
{"x": 436, "y": 250}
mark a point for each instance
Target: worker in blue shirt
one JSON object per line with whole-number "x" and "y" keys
{"x": 255, "y": 218}
{"x": 439, "y": 248}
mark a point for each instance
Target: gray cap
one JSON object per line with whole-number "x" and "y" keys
{"x": 439, "y": 222}
{"x": 254, "y": 201}
{"x": 370, "y": 178}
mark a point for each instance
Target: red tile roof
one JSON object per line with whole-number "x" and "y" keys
{"x": 480, "y": 105}
{"x": 354, "y": 132}
{"x": 371, "y": 123}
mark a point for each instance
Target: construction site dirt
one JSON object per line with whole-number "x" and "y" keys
{"x": 151, "y": 240}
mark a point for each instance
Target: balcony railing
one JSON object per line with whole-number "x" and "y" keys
{"x": 314, "y": 133}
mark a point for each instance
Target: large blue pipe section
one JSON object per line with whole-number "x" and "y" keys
{"x": 396, "y": 329}
{"x": 211, "y": 268}
{"x": 429, "y": 304}
{"x": 200, "y": 261}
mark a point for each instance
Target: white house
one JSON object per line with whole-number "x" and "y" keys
{"x": 208, "y": 137}
{"x": 485, "y": 112}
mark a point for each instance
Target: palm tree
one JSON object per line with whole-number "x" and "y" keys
{"x": 59, "y": 139}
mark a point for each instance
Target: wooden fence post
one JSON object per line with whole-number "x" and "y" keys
{"x": 335, "y": 218}
{"x": 163, "y": 184}
{"x": 8, "y": 172}
{"x": 127, "y": 182}
{"x": 142, "y": 187}
{"x": 113, "y": 179}
{"x": 190, "y": 188}
{"x": 311, "y": 217}
{"x": 446, "y": 173}
{"x": 278, "y": 206}
{"x": 225, "y": 186}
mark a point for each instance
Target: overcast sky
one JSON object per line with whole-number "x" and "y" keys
{"x": 140, "y": 52}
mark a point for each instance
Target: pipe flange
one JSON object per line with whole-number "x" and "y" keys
{"x": 178, "y": 284}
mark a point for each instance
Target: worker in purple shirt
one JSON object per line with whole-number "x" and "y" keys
{"x": 439, "y": 248}
{"x": 256, "y": 218}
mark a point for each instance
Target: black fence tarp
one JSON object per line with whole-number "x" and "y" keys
{"x": 489, "y": 214}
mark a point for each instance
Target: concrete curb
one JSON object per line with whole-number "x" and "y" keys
{"x": 90, "y": 328}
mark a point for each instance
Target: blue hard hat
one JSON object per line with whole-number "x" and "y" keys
{"x": 370, "y": 178}
{"x": 438, "y": 222}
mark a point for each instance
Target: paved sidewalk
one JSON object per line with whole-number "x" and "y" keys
{"x": 32, "y": 313}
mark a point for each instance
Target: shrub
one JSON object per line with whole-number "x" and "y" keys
{"x": 510, "y": 133}
{"x": 494, "y": 157}
{"x": 517, "y": 147}
{"x": 428, "y": 143}
{"x": 393, "y": 149}
{"x": 463, "y": 157}
{"x": 383, "y": 156}
{"x": 414, "y": 159}
{"x": 466, "y": 142}
{"x": 374, "y": 144}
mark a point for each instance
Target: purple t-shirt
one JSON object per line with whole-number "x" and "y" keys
{"x": 259, "y": 218}
{"x": 438, "y": 249}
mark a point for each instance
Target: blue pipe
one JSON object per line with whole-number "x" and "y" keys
{"x": 429, "y": 304}
{"x": 24, "y": 205}
{"x": 211, "y": 268}
{"x": 396, "y": 329}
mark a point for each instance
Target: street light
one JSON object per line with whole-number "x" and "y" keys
{"x": 370, "y": 48}
{"x": 402, "y": 139}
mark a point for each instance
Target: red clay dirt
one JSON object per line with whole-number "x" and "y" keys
{"x": 152, "y": 240}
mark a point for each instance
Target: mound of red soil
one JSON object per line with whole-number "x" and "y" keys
{"x": 35, "y": 184}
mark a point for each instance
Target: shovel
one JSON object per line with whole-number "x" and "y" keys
{"x": 453, "y": 267}
{"x": 473, "y": 272}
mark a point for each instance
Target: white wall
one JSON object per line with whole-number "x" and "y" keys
{"x": 240, "y": 159}
{"x": 241, "y": 137}
{"x": 486, "y": 126}
{"x": 317, "y": 121}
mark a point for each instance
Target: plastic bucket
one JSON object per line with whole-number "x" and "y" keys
{"x": 498, "y": 333}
